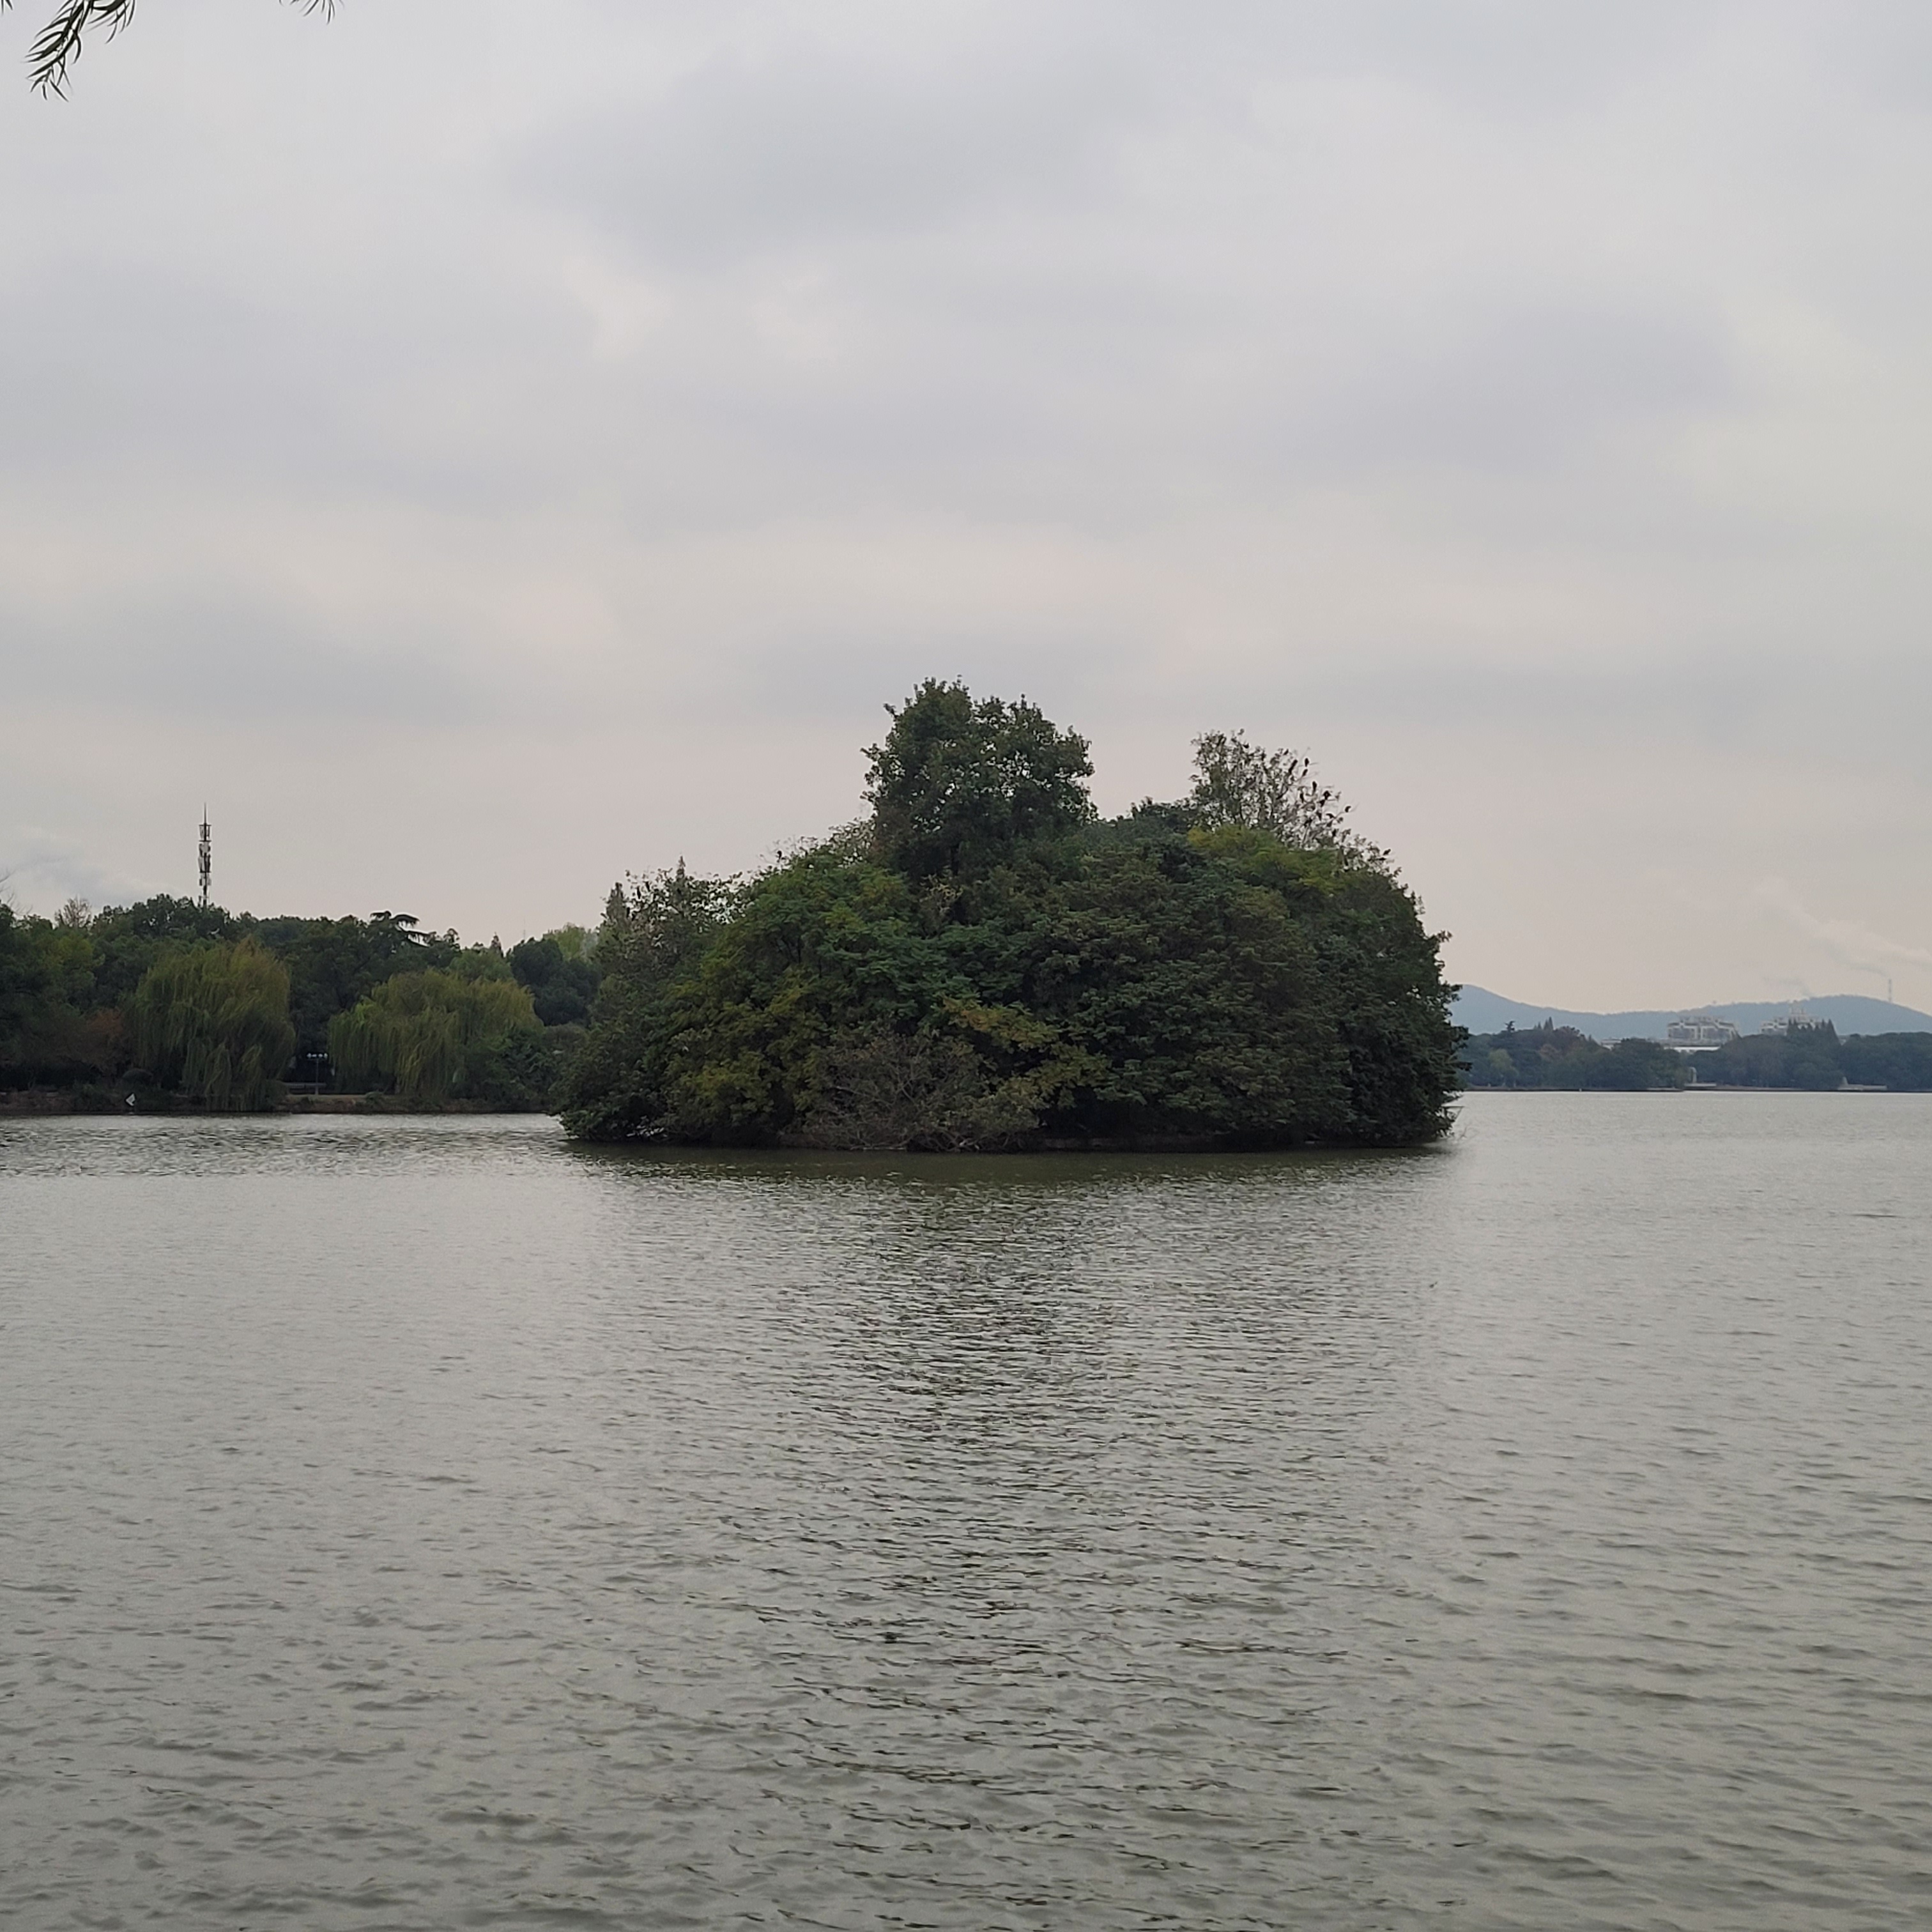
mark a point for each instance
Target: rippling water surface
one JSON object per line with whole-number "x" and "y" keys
{"x": 426, "y": 1524}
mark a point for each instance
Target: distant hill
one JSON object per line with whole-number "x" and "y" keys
{"x": 1482, "y": 1011}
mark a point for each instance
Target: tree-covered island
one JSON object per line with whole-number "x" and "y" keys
{"x": 983, "y": 962}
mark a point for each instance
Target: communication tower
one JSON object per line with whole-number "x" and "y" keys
{"x": 206, "y": 858}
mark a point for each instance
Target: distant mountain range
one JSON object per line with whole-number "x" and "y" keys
{"x": 1482, "y": 1011}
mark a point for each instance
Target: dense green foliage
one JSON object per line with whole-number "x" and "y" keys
{"x": 985, "y": 964}
{"x": 125, "y": 941}
{"x": 211, "y": 1023}
{"x": 957, "y": 786}
{"x": 439, "y": 1034}
{"x": 1902, "y": 1061}
{"x": 562, "y": 980}
{"x": 333, "y": 963}
{"x": 1809, "y": 1058}
{"x": 52, "y": 1031}
{"x": 1554, "y": 1056}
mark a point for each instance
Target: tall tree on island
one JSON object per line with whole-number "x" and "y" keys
{"x": 957, "y": 786}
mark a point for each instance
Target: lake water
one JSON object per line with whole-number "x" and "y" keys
{"x": 426, "y": 1524}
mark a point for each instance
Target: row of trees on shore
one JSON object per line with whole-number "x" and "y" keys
{"x": 1560, "y": 1057}
{"x": 1807, "y": 1058}
{"x": 169, "y": 1001}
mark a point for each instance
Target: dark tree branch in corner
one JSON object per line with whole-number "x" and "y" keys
{"x": 58, "y": 45}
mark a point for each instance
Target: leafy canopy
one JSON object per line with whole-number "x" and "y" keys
{"x": 51, "y": 1028}
{"x": 333, "y": 963}
{"x": 561, "y": 978}
{"x": 958, "y": 787}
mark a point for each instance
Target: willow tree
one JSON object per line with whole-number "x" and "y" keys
{"x": 58, "y": 45}
{"x": 424, "y": 1035}
{"x": 212, "y": 1022}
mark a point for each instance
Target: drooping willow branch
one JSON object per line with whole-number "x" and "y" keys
{"x": 58, "y": 45}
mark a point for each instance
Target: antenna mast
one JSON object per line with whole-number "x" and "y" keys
{"x": 206, "y": 858}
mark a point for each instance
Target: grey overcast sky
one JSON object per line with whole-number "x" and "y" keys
{"x": 483, "y": 448}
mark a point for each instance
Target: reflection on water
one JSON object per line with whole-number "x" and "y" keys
{"x": 423, "y": 1522}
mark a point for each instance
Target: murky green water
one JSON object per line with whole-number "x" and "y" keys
{"x": 424, "y": 1524}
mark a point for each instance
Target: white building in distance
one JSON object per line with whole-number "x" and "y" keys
{"x": 1699, "y": 1032}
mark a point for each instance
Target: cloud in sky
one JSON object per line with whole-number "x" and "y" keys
{"x": 1843, "y": 940}
{"x": 40, "y": 872}
{"x": 487, "y": 449}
